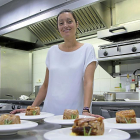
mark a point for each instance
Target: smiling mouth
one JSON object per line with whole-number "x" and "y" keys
{"x": 67, "y": 30}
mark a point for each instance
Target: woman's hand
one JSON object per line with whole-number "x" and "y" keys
{"x": 18, "y": 111}
{"x": 89, "y": 114}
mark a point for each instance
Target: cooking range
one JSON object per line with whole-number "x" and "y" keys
{"x": 120, "y": 48}
{"x": 123, "y": 47}
{"x": 125, "y": 40}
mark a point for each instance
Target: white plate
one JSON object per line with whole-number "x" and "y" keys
{"x": 35, "y": 117}
{"x": 13, "y": 128}
{"x": 59, "y": 120}
{"x": 64, "y": 134}
{"x": 111, "y": 123}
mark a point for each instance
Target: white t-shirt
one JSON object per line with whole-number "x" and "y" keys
{"x": 66, "y": 73}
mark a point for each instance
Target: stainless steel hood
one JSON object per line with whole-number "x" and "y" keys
{"x": 43, "y": 31}
{"x": 89, "y": 23}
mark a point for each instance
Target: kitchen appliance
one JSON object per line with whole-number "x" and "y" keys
{"x": 110, "y": 96}
{"x": 5, "y": 108}
{"x": 98, "y": 97}
{"x": 110, "y": 112}
{"x": 37, "y": 26}
{"x": 124, "y": 46}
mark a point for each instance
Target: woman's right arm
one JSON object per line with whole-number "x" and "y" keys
{"x": 43, "y": 91}
{"x": 40, "y": 96}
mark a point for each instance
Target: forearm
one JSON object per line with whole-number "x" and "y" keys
{"x": 88, "y": 91}
{"x": 40, "y": 96}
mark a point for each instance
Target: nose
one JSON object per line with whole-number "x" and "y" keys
{"x": 65, "y": 24}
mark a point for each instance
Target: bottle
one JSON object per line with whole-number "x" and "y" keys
{"x": 133, "y": 86}
{"x": 127, "y": 84}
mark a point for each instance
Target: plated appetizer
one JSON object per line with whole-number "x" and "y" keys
{"x": 7, "y": 119}
{"x": 88, "y": 126}
{"x": 126, "y": 116}
{"x": 70, "y": 114}
{"x": 31, "y": 110}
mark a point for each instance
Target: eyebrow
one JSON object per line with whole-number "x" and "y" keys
{"x": 66, "y": 19}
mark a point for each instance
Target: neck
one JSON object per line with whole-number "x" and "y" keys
{"x": 70, "y": 43}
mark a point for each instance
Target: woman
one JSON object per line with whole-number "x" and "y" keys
{"x": 70, "y": 70}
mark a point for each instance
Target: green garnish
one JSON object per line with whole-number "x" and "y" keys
{"x": 73, "y": 116}
{"x": 7, "y": 122}
{"x": 34, "y": 112}
{"x": 87, "y": 134}
{"x": 128, "y": 121}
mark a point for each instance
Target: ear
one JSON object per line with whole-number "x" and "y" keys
{"x": 77, "y": 24}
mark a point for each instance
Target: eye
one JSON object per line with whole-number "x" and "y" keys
{"x": 69, "y": 21}
{"x": 60, "y": 23}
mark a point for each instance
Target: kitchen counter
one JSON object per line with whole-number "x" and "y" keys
{"x": 108, "y": 109}
{"x": 118, "y": 103}
{"x": 20, "y": 102}
{"x": 38, "y": 132}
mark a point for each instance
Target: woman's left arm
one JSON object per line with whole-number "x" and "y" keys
{"x": 88, "y": 83}
{"x": 88, "y": 87}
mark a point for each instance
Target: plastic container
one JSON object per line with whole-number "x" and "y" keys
{"x": 127, "y": 84}
{"x": 133, "y": 86}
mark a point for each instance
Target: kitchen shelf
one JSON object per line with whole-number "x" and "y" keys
{"x": 108, "y": 64}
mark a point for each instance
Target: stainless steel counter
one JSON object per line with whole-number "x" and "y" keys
{"x": 118, "y": 103}
{"x": 108, "y": 109}
{"x": 38, "y": 132}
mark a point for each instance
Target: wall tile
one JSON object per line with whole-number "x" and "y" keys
{"x": 96, "y": 86}
{"x": 36, "y": 78}
{"x": 103, "y": 73}
{"x": 114, "y": 83}
{"x": 104, "y": 85}
{"x": 123, "y": 68}
{"x": 95, "y": 92}
{"x": 39, "y": 68}
{"x": 97, "y": 73}
{"x": 133, "y": 67}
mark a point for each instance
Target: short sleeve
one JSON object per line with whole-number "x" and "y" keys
{"x": 90, "y": 57}
{"x": 47, "y": 60}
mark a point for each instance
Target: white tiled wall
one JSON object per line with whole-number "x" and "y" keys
{"x": 102, "y": 80}
{"x": 39, "y": 66}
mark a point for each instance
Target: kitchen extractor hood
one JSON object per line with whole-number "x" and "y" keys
{"x": 91, "y": 16}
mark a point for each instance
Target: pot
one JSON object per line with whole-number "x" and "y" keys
{"x": 110, "y": 96}
{"x": 97, "y": 97}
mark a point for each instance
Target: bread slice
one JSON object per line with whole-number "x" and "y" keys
{"x": 88, "y": 126}
{"x": 126, "y": 116}
{"x": 7, "y": 119}
{"x": 70, "y": 114}
{"x": 32, "y": 110}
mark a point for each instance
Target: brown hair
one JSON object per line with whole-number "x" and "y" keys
{"x": 69, "y": 11}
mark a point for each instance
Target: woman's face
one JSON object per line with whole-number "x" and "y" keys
{"x": 67, "y": 25}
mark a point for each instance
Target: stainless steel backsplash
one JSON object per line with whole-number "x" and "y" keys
{"x": 15, "y": 73}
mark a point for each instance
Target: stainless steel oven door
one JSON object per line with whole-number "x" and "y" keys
{"x": 110, "y": 112}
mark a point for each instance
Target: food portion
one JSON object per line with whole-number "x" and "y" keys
{"x": 70, "y": 114}
{"x": 32, "y": 110}
{"x": 126, "y": 116}
{"x": 88, "y": 126}
{"x": 7, "y": 119}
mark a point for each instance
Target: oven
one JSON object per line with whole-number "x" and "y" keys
{"x": 110, "y": 112}
{"x": 108, "y": 109}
